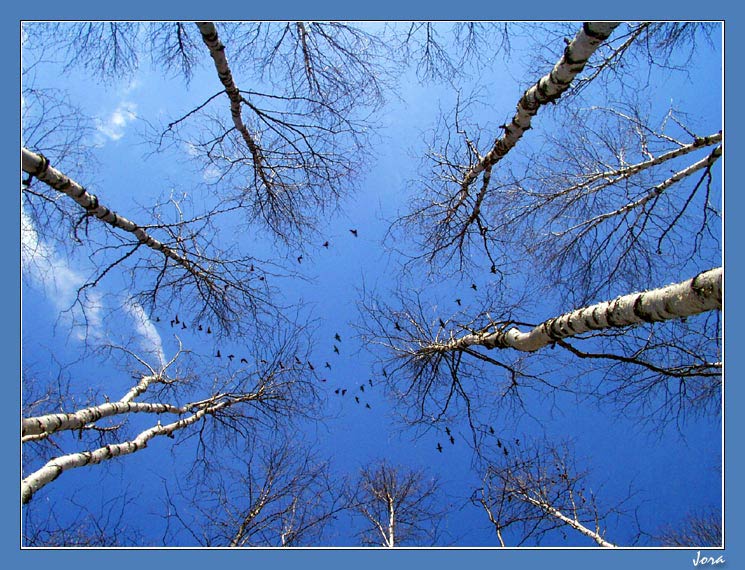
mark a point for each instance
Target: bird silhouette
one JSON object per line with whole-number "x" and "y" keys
{"x": 299, "y": 258}
{"x": 499, "y": 443}
{"x": 336, "y": 349}
{"x": 176, "y": 320}
{"x": 458, "y": 301}
{"x": 362, "y": 387}
{"x": 493, "y": 268}
{"x": 337, "y": 337}
{"x": 357, "y": 399}
{"x": 473, "y": 286}
{"x": 209, "y": 330}
{"x": 231, "y": 357}
{"x": 397, "y": 326}
{"x": 385, "y": 374}
{"x": 244, "y": 361}
{"x": 517, "y": 442}
{"x": 171, "y": 323}
{"x": 442, "y": 323}
{"x": 157, "y": 319}
{"x": 368, "y": 406}
{"x": 325, "y": 244}
{"x": 183, "y": 325}
{"x": 311, "y": 366}
{"x": 439, "y": 447}
{"x": 327, "y": 365}
{"x": 447, "y": 430}
{"x": 353, "y": 232}
{"x": 491, "y": 430}
{"x": 369, "y": 381}
{"x": 344, "y": 391}
{"x": 200, "y": 328}
{"x": 336, "y": 391}
{"x": 218, "y": 355}
{"x": 297, "y": 360}
{"x": 452, "y": 440}
{"x": 506, "y": 453}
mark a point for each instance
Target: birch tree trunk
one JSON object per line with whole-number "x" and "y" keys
{"x": 698, "y": 295}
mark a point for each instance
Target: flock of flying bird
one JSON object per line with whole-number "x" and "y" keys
{"x": 337, "y": 338}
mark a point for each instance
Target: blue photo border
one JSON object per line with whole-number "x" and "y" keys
{"x": 358, "y": 559}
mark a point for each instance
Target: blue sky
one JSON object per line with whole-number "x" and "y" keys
{"x": 620, "y": 453}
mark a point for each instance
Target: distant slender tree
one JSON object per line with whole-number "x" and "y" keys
{"x": 399, "y": 506}
{"x": 271, "y": 493}
{"x": 702, "y": 530}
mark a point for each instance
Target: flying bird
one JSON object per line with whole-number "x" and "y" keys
{"x": 397, "y": 326}
{"x": 499, "y": 443}
{"x": 200, "y": 328}
{"x": 298, "y": 360}
{"x": 218, "y": 355}
{"x": 362, "y": 387}
{"x": 439, "y": 447}
{"x": 473, "y": 286}
{"x": 244, "y": 361}
{"x": 447, "y": 430}
{"x": 506, "y": 452}
{"x": 458, "y": 301}
{"x": 452, "y": 440}
{"x": 311, "y": 366}
{"x": 325, "y": 244}
{"x": 337, "y": 337}
{"x": 231, "y": 357}
{"x": 171, "y": 323}
{"x": 299, "y": 258}
{"x": 368, "y": 406}
{"x": 353, "y": 232}
{"x": 336, "y": 349}
{"x": 493, "y": 268}
{"x": 369, "y": 381}
{"x": 344, "y": 391}
{"x": 385, "y": 374}
{"x": 336, "y": 391}
{"x": 209, "y": 330}
{"x": 157, "y": 319}
{"x": 183, "y": 325}
{"x": 517, "y": 442}
{"x": 442, "y": 323}
{"x": 176, "y": 320}
{"x": 491, "y": 430}
{"x": 357, "y": 399}
{"x": 327, "y": 365}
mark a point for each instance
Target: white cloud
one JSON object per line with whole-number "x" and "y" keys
{"x": 150, "y": 341}
{"x": 60, "y": 282}
{"x": 114, "y": 126}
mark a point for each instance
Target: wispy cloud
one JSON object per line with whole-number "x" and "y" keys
{"x": 60, "y": 282}
{"x": 149, "y": 338}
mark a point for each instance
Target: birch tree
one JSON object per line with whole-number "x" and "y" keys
{"x": 441, "y": 364}
{"x": 398, "y": 506}
{"x": 533, "y": 492}
{"x": 270, "y": 494}
{"x": 259, "y": 393}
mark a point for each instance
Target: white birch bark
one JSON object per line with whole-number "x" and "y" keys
{"x": 652, "y": 194}
{"x": 575, "y": 524}
{"x": 38, "y": 166}
{"x": 50, "y": 423}
{"x": 547, "y": 89}
{"x": 217, "y": 51}
{"x": 55, "y": 467}
{"x": 597, "y": 181}
{"x": 698, "y": 295}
